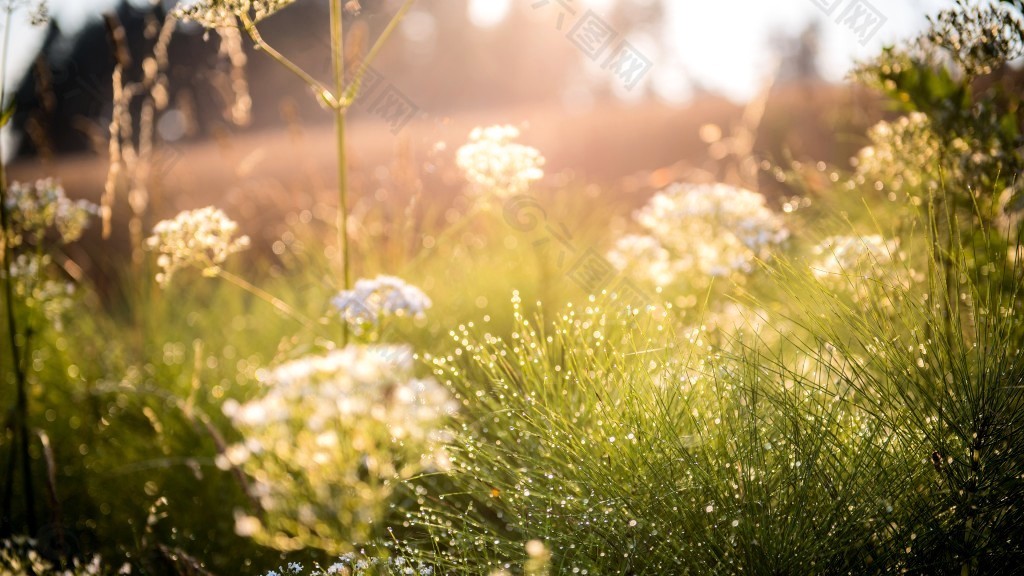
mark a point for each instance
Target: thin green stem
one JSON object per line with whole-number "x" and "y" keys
{"x": 350, "y": 95}
{"x": 339, "y": 100}
{"x": 267, "y": 297}
{"x": 338, "y": 60}
{"x": 322, "y": 91}
{"x": 21, "y": 413}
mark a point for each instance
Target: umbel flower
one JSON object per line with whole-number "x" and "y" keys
{"x": 202, "y": 238}
{"x": 225, "y": 13}
{"x": 904, "y": 154}
{"x": 494, "y": 164}
{"x": 699, "y": 230}
{"x": 370, "y": 301}
{"x": 330, "y": 434}
{"x": 372, "y": 382}
{"x": 36, "y": 207}
{"x": 908, "y": 156}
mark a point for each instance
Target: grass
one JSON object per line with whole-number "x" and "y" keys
{"x": 624, "y": 443}
{"x": 846, "y": 407}
{"x": 633, "y": 450}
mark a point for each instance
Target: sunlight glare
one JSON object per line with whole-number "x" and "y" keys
{"x": 488, "y": 13}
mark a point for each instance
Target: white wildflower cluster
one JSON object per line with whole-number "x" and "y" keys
{"x": 41, "y": 213}
{"x": 903, "y": 155}
{"x": 358, "y": 565}
{"x": 907, "y": 156}
{"x": 496, "y": 165}
{"x": 647, "y": 251}
{"x": 364, "y": 381}
{"x": 225, "y": 13}
{"x": 331, "y": 435}
{"x": 977, "y": 37}
{"x": 699, "y": 231}
{"x": 372, "y": 300}
{"x": 37, "y": 207}
{"x": 202, "y": 238}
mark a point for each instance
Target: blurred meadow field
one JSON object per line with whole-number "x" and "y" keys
{"x": 466, "y": 287}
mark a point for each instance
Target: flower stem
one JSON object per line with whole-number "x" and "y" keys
{"x": 338, "y": 60}
{"x": 322, "y": 92}
{"x": 267, "y": 297}
{"x": 20, "y": 415}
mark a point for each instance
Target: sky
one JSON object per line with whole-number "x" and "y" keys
{"x": 739, "y": 43}
{"x": 722, "y": 45}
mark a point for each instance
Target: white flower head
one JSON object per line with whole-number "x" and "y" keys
{"x": 659, "y": 266}
{"x": 202, "y": 238}
{"x": 495, "y": 164}
{"x": 328, "y": 415}
{"x": 225, "y": 13}
{"x": 372, "y": 300}
{"x": 707, "y": 230}
{"x": 38, "y": 206}
{"x": 901, "y": 154}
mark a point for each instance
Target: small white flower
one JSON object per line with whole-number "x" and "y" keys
{"x": 202, "y": 238}
{"x": 328, "y": 415}
{"x": 225, "y": 13}
{"x": 35, "y": 207}
{"x": 658, "y": 264}
{"x": 342, "y": 383}
{"x": 699, "y": 231}
{"x": 901, "y": 155}
{"x": 494, "y": 164}
{"x": 236, "y": 454}
{"x": 372, "y": 300}
{"x": 536, "y": 549}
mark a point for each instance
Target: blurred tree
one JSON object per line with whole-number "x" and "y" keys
{"x": 798, "y": 55}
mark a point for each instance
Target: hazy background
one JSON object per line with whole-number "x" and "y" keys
{"x": 452, "y": 55}
{"x": 719, "y": 46}
{"x": 457, "y": 64}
